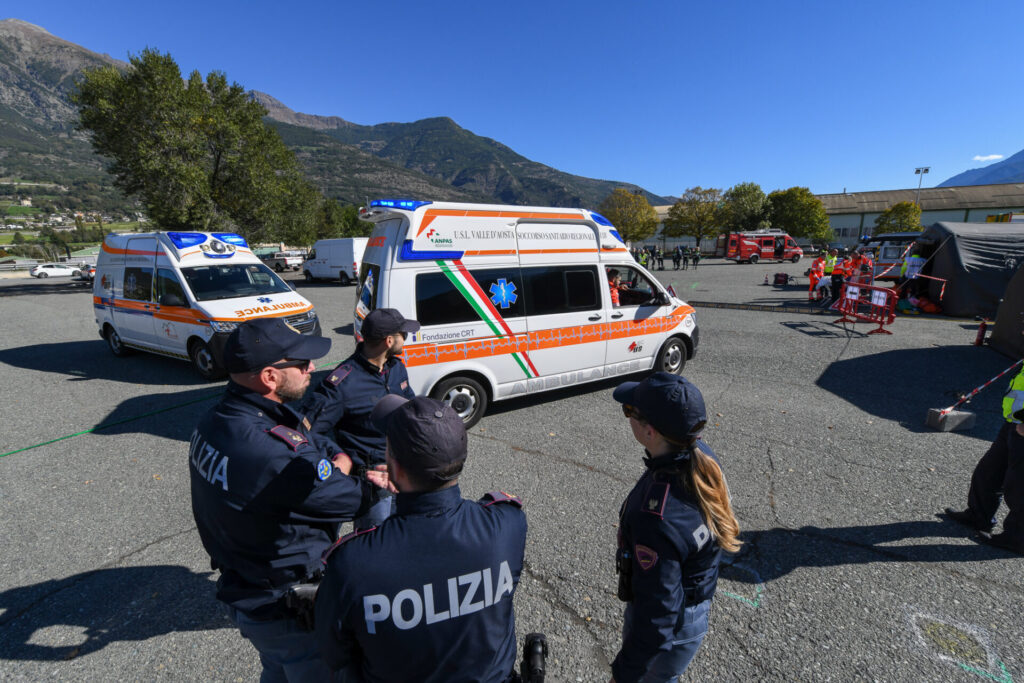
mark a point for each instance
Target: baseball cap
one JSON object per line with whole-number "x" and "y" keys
{"x": 381, "y": 322}
{"x": 426, "y": 436}
{"x": 670, "y": 403}
{"x": 258, "y": 343}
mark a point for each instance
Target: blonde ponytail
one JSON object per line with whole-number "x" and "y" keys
{"x": 708, "y": 484}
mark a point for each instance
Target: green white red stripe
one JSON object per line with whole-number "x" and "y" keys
{"x": 470, "y": 289}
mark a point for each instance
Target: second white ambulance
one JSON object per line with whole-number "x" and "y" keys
{"x": 515, "y": 300}
{"x": 180, "y": 294}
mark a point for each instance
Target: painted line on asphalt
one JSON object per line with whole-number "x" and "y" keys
{"x": 108, "y": 425}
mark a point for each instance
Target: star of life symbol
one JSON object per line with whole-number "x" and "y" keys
{"x": 503, "y": 293}
{"x": 264, "y": 299}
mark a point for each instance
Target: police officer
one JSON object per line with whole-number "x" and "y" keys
{"x": 340, "y": 406}
{"x": 427, "y": 596}
{"x": 672, "y": 528}
{"x": 268, "y": 496}
{"x": 1000, "y": 475}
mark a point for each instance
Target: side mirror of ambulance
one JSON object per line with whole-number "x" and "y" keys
{"x": 661, "y": 298}
{"x": 291, "y": 285}
{"x": 171, "y": 300}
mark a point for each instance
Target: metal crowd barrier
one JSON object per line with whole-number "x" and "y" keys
{"x": 867, "y": 303}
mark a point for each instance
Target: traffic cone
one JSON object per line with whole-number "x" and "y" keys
{"x": 765, "y": 278}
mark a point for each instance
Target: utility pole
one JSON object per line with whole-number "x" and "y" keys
{"x": 920, "y": 171}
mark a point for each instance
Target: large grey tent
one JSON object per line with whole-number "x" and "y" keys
{"x": 1006, "y": 337}
{"x": 977, "y": 261}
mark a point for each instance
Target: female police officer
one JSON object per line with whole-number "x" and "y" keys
{"x": 672, "y": 529}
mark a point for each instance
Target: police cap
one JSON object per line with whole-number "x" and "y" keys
{"x": 258, "y": 343}
{"x": 381, "y": 322}
{"x": 426, "y": 436}
{"x": 669, "y": 403}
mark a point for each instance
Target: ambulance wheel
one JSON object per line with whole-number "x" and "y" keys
{"x": 465, "y": 396}
{"x": 795, "y": 259}
{"x": 672, "y": 357}
{"x": 753, "y": 259}
{"x": 117, "y": 346}
{"x": 204, "y": 362}
{"x": 344, "y": 279}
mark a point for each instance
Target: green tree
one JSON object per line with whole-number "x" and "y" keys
{"x": 800, "y": 213}
{"x": 18, "y": 238}
{"x": 631, "y": 214}
{"x": 196, "y": 153}
{"x": 697, "y": 214}
{"x": 900, "y": 217}
{"x": 745, "y": 208}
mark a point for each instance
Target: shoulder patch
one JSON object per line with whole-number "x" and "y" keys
{"x": 344, "y": 539}
{"x": 500, "y": 497}
{"x": 339, "y": 374}
{"x": 291, "y": 437}
{"x": 324, "y": 469}
{"x": 645, "y": 557}
{"x": 654, "y": 501}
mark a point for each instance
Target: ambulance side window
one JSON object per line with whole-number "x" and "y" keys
{"x": 167, "y": 285}
{"x": 138, "y": 284}
{"x": 443, "y": 299}
{"x": 560, "y": 290}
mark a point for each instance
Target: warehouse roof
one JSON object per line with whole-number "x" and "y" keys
{"x": 1009, "y": 195}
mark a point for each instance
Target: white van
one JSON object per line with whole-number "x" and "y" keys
{"x": 180, "y": 294}
{"x": 888, "y": 250}
{"x": 515, "y": 300}
{"x": 335, "y": 259}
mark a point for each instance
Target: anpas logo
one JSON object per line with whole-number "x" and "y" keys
{"x": 438, "y": 241}
{"x": 635, "y": 347}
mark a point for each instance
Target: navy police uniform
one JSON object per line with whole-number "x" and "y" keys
{"x": 427, "y": 596}
{"x": 340, "y": 406}
{"x": 267, "y": 499}
{"x": 668, "y": 563}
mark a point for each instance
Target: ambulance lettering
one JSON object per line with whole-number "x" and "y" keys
{"x": 462, "y": 595}
{"x": 268, "y": 309}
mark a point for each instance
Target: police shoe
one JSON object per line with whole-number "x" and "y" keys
{"x": 1005, "y": 542}
{"x": 967, "y": 518}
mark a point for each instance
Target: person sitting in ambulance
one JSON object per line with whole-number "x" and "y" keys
{"x": 615, "y": 285}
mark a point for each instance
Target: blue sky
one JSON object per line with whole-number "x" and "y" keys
{"x": 668, "y": 95}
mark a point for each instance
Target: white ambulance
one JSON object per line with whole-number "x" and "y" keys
{"x": 515, "y": 300}
{"x": 180, "y": 294}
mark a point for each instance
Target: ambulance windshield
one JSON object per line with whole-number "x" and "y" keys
{"x": 209, "y": 283}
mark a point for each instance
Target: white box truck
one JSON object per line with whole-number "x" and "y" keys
{"x": 335, "y": 259}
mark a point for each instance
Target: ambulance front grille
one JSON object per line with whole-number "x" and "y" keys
{"x": 302, "y": 322}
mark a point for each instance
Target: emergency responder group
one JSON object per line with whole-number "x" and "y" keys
{"x": 422, "y": 588}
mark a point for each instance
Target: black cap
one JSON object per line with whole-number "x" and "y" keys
{"x": 384, "y": 321}
{"x": 258, "y": 343}
{"x": 426, "y": 436}
{"x": 669, "y": 403}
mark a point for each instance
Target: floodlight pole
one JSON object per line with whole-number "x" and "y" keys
{"x": 920, "y": 171}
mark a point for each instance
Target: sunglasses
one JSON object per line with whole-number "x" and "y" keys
{"x": 630, "y": 411}
{"x": 285, "y": 364}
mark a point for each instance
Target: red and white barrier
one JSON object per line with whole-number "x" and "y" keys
{"x": 867, "y": 303}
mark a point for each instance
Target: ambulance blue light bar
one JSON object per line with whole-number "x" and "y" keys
{"x": 601, "y": 220}
{"x": 183, "y": 240}
{"x": 231, "y": 238}
{"x": 408, "y": 204}
{"x": 410, "y": 254}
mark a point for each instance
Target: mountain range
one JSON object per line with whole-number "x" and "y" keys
{"x": 430, "y": 159}
{"x": 1009, "y": 170}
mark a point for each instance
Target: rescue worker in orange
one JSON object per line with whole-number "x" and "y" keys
{"x": 840, "y": 271}
{"x": 615, "y": 285}
{"x": 817, "y": 272}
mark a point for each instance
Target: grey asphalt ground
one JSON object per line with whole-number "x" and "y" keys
{"x": 846, "y": 572}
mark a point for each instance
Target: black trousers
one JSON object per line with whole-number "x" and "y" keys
{"x": 999, "y": 475}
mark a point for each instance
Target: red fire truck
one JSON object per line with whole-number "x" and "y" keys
{"x": 763, "y": 245}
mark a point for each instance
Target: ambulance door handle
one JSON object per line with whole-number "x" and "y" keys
{"x": 594, "y": 317}
{"x": 617, "y": 315}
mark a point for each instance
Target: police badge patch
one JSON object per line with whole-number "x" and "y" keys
{"x": 324, "y": 469}
{"x": 645, "y": 557}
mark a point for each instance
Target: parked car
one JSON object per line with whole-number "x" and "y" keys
{"x": 53, "y": 270}
{"x": 284, "y": 260}
{"x": 85, "y": 273}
